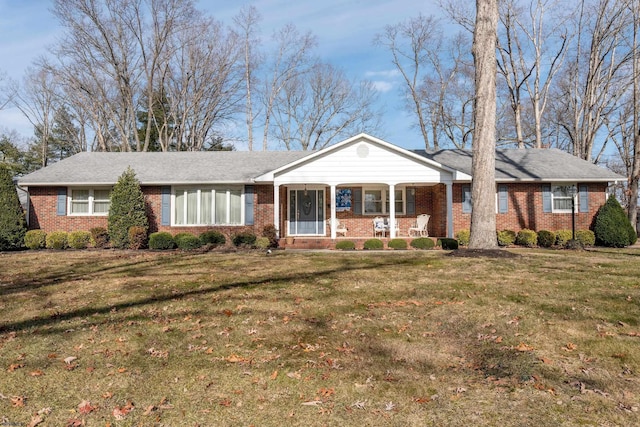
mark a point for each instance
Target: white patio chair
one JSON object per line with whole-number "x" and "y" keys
{"x": 340, "y": 228}
{"x": 379, "y": 226}
{"x": 420, "y": 227}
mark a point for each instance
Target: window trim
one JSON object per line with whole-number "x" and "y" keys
{"x": 213, "y": 189}
{"x": 384, "y": 200}
{"x": 90, "y": 201}
{"x": 554, "y": 198}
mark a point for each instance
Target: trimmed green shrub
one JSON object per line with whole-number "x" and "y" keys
{"x": 213, "y": 238}
{"x": 448, "y": 243}
{"x": 586, "y": 237}
{"x": 161, "y": 241}
{"x": 263, "y": 243}
{"x": 345, "y": 245}
{"x": 13, "y": 225}
{"x": 397, "y": 244}
{"x": 57, "y": 240}
{"x": 187, "y": 241}
{"x": 546, "y": 238}
{"x": 612, "y": 227}
{"x": 35, "y": 239}
{"x": 463, "y": 237}
{"x": 245, "y": 238}
{"x": 269, "y": 231}
{"x": 79, "y": 239}
{"x": 506, "y": 237}
{"x": 422, "y": 243}
{"x": 99, "y": 237}
{"x": 563, "y": 236}
{"x": 127, "y": 209}
{"x": 373, "y": 244}
{"x": 138, "y": 237}
{"x": 527, "y": 238}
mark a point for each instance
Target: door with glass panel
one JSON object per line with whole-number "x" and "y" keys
{"x": 306, "y": 213}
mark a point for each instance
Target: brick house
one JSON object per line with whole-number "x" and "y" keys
{"x": 302, "y": 193}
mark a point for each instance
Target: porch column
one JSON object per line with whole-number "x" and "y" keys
{"x": 449, "y": 188}
{"x": 276, "y": 210}
{"x": 392, "y": 211}
{"x": 333, "y": 211}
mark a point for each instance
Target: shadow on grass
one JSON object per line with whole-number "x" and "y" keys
{"x": 57, "y": 277}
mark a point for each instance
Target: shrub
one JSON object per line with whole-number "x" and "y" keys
{"x": 79, "y": 239}
{"x": 345, "y": 245}
{"x": 245, "y": 238}
{"x": 263, "y": 243}
{"x": 57, "y": 240}
{"x": 586, "y": 237}
{"x": 212, "y": 237}
{"x": 138, "y": 237}
{"x": 161, "y": 240}
{"x": 448, "y": 244}
{"x": 187, "y": 241}
{"x": 373, "y": 244}
{"x": 270, "y": 232}
{"x": 127, "y": 209}
{"x": 527, "y": 238}
{"x": 398, "y": 244}
{"x": 563, "y": 236}
{"x": 422, "y": 243}
{"x": 99, "y": 237}
{"x": 13, "y": 225}
{"x": 463, "y": 237}
{"x": 35, "y": 239}
{"x": 546, "y": 238}
{"x": 612, "y": 227}
{"x": 506, "y": 237}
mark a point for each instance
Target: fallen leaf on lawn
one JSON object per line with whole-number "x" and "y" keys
{"x": 75, "y": 423}
{"x": 18, "y": 401}
{"x": 312, "y": 403}
{"x": 120, "y": 412}
{"x": 274, "y": 375}
{"x": 234, "y": 358}
{"x": 69, "y": 359}
{"x": 326, "y": 392}
{"x": 422, "y": 399}
{"x": 15, "y": 366}
{"x": 294, "y": 375}
{"x": 498, "y": 340}
{"x": 35, "y": 420}
{"x": 107, "y": 395}
{"x": 149, "y": 410}
{"x": 569, "y": 347}
{"x": 36, "y": 373}
{"x": 524, "y": 347}
{"x": 227, "y": 312}
{"x": 546, "y": 361}
{"x": 85, "y": 407}
{"x": 225, "y": 402}
{"x": 122, "y": 370}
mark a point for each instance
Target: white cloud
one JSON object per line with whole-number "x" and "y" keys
{"x": 382, "y": 86}
{"x": 388, "y": 74}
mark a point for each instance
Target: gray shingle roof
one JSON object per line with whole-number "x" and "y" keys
{"x": 162, "y": 168}
{"x": 528, "y": 165}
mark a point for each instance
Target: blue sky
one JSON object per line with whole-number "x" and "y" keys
{"x": 344, "y": 28}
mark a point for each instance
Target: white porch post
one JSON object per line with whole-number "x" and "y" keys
{"x": 333, "y": 211}
{"x": 449, "y": 187}
{"x": 276, "y": 209}
{"x": 392, "y": 211}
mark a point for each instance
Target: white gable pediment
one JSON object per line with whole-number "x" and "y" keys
{"x": 362, "y": 159}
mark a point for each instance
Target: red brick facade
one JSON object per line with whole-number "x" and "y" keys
{"x": 524, "y": 211}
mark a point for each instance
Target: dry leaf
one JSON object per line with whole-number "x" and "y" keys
{"x": 274, "y": 375}
{"x": 524, "y": 347}
{"x": 18, "y": 401}
{"x": 85, "y": 407}
{"x": 15, "y": 366}
{"x": 149, "y": 410}
{"x": 570, "y": 347}
{"x": 35, "y": 420}
{"x": 69, "y": 359}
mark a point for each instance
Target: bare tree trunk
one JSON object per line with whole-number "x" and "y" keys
{"x": 483, "y": 216}
{"x": 634, "y": 175}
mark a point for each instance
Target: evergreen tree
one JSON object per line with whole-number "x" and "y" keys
{"x": 12, "y": 221}
{"x": 612, "y": 227}
{"x": 127, "y": 209}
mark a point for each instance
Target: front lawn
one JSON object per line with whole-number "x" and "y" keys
{"x": 122, "y": 338}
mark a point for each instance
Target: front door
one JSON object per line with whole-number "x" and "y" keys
{"x": 306, "y": 213}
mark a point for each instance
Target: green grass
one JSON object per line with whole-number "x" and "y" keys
{"x": 341, "y": 338}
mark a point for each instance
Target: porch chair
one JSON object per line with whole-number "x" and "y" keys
{"x": 379, "y": 226}
{"x": 420, "y": 227}
{"x": 340, "y": 228}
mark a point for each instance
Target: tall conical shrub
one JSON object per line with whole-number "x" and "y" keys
{"x": 127, "y": 209}
{"x": 612, "y": 227}
{"x": 13, "y": 225}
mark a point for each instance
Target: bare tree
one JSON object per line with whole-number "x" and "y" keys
{"x": 317, "y": 108}
{"x": 248, "y": 20}
{"x": 483, "y": 215}
{"x": 6, "y": 91}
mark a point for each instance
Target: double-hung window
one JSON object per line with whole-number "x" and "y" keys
{"x": 208, "y": 206}
{"x": 562, "y": 197}
{"x": 89, "y": 201}
{"x": 376, "y": 201}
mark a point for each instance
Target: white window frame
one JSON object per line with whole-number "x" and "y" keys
{"x": 384, "y": 200}
{"x": 176, "y": 191}
{"x": 90, "y": 202}
{"x": 554, "y": 198}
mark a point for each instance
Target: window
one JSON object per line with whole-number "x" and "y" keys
{"x": 89, "y": 201}
{"x": 561, "y": 197}
{"x": 208, "y": 206}
{"x": 373, "y": 198}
